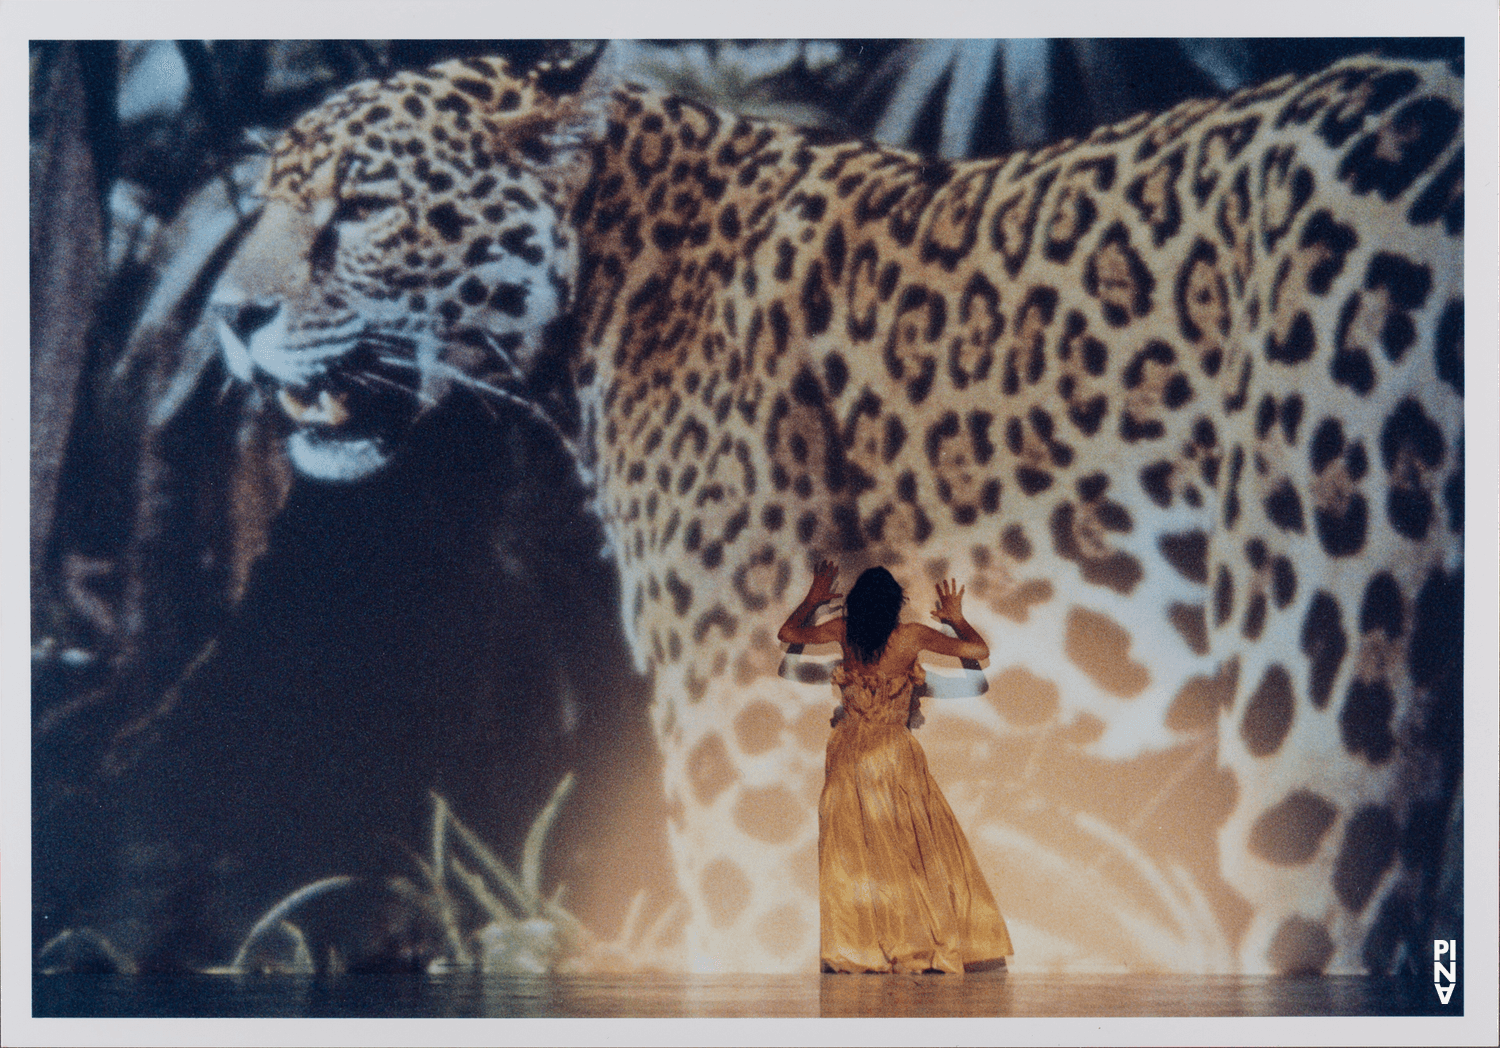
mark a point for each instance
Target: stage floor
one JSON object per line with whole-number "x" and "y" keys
{"x": 471, "y": 995}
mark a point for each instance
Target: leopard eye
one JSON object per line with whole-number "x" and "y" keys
{"x": 252, "y": 316}
{"x": 324, "y": 249}
{"x": 359, "y": 208}
{"x": 350, "y": 209}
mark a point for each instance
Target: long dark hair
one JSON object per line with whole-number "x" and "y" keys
{"x": 871, "y": 612}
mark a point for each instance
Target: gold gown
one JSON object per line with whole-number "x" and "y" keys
{"x": 900, "y": 888}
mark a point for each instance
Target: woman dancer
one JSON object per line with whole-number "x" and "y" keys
{"x": 900, "y": 888}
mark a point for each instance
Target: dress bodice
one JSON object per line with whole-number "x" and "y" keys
{"x": 876, "y": 697}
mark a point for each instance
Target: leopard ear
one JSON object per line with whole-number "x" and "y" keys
{"x": 584, "y": 91}
{"x": 563, "y": 78}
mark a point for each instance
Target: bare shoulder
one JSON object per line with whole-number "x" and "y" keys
{"x": 922, "y": 637}
{"x": 915, "y": 637}
{"x": 830, "y": 631}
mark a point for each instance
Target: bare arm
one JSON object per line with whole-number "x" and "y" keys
{"x": 968, "y": 644}
{"x": 799, "y": 628}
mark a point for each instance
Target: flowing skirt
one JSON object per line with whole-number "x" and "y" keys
{"x": 900, "y": 888}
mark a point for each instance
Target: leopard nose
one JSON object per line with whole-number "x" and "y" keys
{"x": 250, "y": 317}
{"x": 237, "y": 322}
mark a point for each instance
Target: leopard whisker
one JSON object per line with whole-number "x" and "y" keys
{"x": 409, "y": 365}
{"x": 531, "y": 407}
{"x": 504, "y": 356}
{"x": 370, "y": 379}
{"x": 386, "y": 338}
{"x": 500, "y": 393}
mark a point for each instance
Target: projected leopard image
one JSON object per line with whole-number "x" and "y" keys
{"x": 517, "y": 398}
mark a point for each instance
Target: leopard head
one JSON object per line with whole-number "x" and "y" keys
{"x": 412, "y": 241}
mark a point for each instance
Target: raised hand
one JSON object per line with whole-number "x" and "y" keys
{"x": 821, "y": 590}
{"x": 950, "y": 608}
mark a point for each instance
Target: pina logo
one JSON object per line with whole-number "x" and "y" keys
{"x": 1445, "y": 948}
